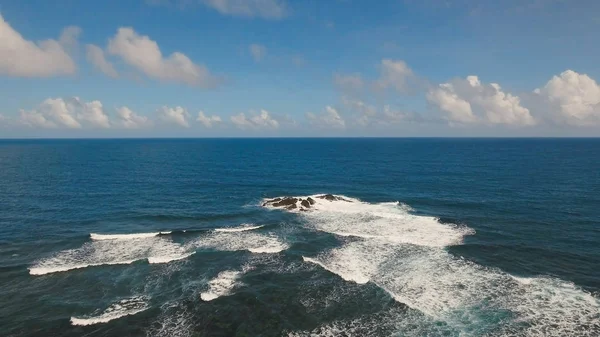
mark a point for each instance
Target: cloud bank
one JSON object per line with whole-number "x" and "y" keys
{"x": 23, "y": 58}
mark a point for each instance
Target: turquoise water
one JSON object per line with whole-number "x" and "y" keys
{"x": 439, "y": 237}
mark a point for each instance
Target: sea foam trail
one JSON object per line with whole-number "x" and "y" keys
{"x": 242, "y": 228}
{"x": 404, "y": 255}
{"x": 156, "y": 249}
{"x": 245, "y": 240}
{"x": 125, "y": 307}
{"x": 222, "y": 285}
{"x": 132, "y": 236}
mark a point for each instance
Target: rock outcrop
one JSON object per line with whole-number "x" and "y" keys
{"x": 331, "y": 197}
{"x": 302, "y": 204}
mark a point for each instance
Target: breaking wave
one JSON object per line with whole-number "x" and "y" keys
{"x": 114, "y": 250}
{"x": 125, "y": 307}
{"x": 132, "y": 236}
{"x": 242, "y": 228}
{"x": 404, "y": 254}
{"x": 242, "y": 240}
{"x": 221, "y": 285}
{"x": 156, "y": 248}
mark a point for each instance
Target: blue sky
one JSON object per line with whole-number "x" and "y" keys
{"x": 299, "y": 68}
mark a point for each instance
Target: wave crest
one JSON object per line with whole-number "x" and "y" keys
{"x": 126, "y": 307}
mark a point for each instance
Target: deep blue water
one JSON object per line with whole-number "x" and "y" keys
{"x": 440, "y": 237}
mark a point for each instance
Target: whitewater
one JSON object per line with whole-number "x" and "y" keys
{"x": 406, "y": 256}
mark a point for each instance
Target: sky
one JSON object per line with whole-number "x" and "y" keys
{"x": 291, "y": 68}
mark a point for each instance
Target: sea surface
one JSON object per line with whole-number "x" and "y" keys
{"x": 169, "y": 237}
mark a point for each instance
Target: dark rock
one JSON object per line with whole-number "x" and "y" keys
{"x": 271, "y": 201}
{"x": 311, "y": 200}
{"x": 329, "y": 197}
{"x": 292, "y": 206}
{"x": 286, "y": 202}
{"x": 305, "y": 203}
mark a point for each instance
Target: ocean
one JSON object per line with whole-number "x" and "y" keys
{"x": 418, "y": 237}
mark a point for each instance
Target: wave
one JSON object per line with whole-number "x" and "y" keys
{"x": 392, "y": 221}
{"x": 132, "y": 236}
{"x": 347, "y": 274}
{"x": 242, "y": 240}
{"x": 242, "y": 228}
{"x": 169, "y": 258}
{"x": 42, "y": 269}
{"x": 156, "y": 248}
{"x": 126, "y": 307}
{"x": 114, "y": 251}
{"x": 404, "y": 254}
{"x": 222, "y": 285}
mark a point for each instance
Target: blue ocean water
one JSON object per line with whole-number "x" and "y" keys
{"x": 431, "y": 237}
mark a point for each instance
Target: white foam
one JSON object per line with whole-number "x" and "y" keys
{"x": 222, "y": 285}
{"x": 155, "y": 249}
{"x": 391, "y": 221}
{"x": 348, "y": 274}
{"x": 242, "y": 228}
{"x": 234, "y": 241}
{"x": 125, "y": 307}
{"x": 169, "y": 258}
{"x": 41, "y": 270}
{"x": 404, "y": 255}
{"x": 132, "y": 236}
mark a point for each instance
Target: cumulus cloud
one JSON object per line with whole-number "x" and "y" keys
{"x": 22, "y": 58}
{"x": 208, "y": 121}
{"x": 267, "y": 9}
{"x": 262, "y": 120}
{"x": 468, "y": 101}
{"x": 394, "y": 74}
{"x": 130, "y": 120}
{"x": 95, "y": 56}
{"x": 142, "y": 53}
{"x": 69, "y": 37}
{"x": 258, "y": 52}
{"x": 394, "y": 115}
{"x": 176, "y": 115}
{"x": 571, "y": 98}
{"x": 71, "y": 113}
{"x": 359, "y": 106}
{"x": 330, "y": 118}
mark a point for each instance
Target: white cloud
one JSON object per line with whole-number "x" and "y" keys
{"x": 394, "y": 74}
{"x": 91, "y": 112}
{"x": 448, "y": 101}
{"x": 263, "y": 120}
{"x": 330, "y": 118}
{"x": 258, "y": 52}
{"x": 23, "y": 58}
{"x": 359, "y": 106}
{"x": 470, "y": 101}
{"x": 348, "y": 82}
{"x": 71, "y": 113}
{"x": 208, "y": 121}
{"x": 396, "y": 115}
{"x": 95, "y": 56}
{"x": 142, "y": 53}
{"x": 176, "y": 115}
{"x": 573, "y": 98}
{"x": 35, "y": 119}
{"x": 69, "y": 37}
{"x": 130, "y": 120}
{"x": 267, "y": 9}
